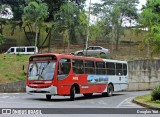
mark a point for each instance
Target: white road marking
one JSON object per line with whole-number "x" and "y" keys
{"x": 102, "y": 102}
{"x": 4, "y": 97}
{"x": 126, "y": 103}
{"x": 4, "y": 93}
{"x": 16, "y": 93}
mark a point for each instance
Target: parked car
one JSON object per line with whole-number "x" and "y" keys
{"x": 93, "y": 50}
{"x": 22, "y": 50}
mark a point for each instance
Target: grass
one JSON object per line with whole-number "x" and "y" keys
{"x": 11, "y": 67}
{"x": 146, "y": 99}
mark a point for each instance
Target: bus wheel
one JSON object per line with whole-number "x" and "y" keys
{"x": 72, "y": 93}
{"x": 88, "y": 94}
{"x": 48, "y": 97}
{"x": 109, "y": 90}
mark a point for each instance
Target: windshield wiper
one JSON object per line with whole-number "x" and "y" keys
{"x": 40, "y": 75}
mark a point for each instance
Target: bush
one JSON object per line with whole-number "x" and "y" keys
{"x": 155, "y": 93}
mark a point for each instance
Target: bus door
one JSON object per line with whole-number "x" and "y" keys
{"x": 121, "y": 73}
{"x": 63, "y": 79}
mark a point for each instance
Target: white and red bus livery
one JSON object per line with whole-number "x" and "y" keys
{"x": 61, "y": 74}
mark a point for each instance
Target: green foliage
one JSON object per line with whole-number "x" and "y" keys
{"x": 156, "y": 93}
{"x": 146, "y": 99}
{"x": 100, "y": 30}
{"x": 70, "y": 20}
{"x": 103, "y": 56}
{"x": 1, "y": 39}
{"x": 35, "y": 12}
{"x": 114, "y": 12}
{"x": 11, "y": 69}
{"x": 150, "y": 18}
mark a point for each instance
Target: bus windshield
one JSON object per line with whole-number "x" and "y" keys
{"x": 41, "y": 70}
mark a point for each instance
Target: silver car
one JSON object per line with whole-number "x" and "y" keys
{"x": 93, "y": 50}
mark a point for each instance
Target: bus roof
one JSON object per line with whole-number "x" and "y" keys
{"x": 59, "y": 56}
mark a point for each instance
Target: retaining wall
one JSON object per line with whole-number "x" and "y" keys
{"x": 143, "y": 75}
{"x": 12, "y": 87}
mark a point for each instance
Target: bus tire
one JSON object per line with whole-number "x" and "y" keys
{"x": 109, "y": 90}
{"x": 72, "y": 93}
{"x": 48, "y": 97}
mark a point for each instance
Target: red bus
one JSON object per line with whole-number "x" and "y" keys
{"x": 67, "y": 75}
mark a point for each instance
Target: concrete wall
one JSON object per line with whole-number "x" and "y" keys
{"x": 13, "y": 87}
{"x": 143, "y": 74}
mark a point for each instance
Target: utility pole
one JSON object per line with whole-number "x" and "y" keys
{"x": 88, "y": 25}
{"x": 130, "y": 21}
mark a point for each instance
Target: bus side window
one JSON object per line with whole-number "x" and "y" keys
{"x": 125, "y": 69}
{"x": 100, "y": 68}
{"x": 64, "y": 67}
{"x": 110, "y": 68}
{"x": 89, "y": 67}
{"x": 78, "y": 66}
{"x": 119, "y": 71}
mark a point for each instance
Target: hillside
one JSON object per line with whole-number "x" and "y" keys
{"x": 11, "y": 67}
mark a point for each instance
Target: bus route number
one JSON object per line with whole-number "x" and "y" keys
{"x": 75, "y": 78}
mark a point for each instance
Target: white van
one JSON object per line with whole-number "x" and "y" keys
{"x": 22, "y": 50}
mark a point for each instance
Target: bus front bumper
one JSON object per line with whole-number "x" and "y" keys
{"x": 52, "y": 90}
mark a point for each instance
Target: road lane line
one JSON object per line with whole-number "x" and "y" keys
{"x": 123, "y": 102}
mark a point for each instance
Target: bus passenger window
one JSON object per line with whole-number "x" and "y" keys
{"x": 63, "y": 68}
{"x": 100, "y": 68}
{"x": 89, "y": 67}
{"x": 119, "y": 71}
{"x": 78, "y": 66}
{"x": 110, "y": 68}
{"x": 125, "y": 69}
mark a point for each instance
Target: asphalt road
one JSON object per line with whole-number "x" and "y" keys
{"x": 120, "y": 100}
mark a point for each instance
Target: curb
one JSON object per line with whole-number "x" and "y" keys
{"x": 145, "y": 105}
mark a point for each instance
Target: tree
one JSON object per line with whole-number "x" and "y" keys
{"x": 100, "y": 30}
{"x": 150, "y": 18}
{"x": 4, "y": 15}
{"x": 35, "y": 13}
{"x": 70, "y": 20}
{"x": 1, "y": 39}
{"x": 115, "y": 12}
